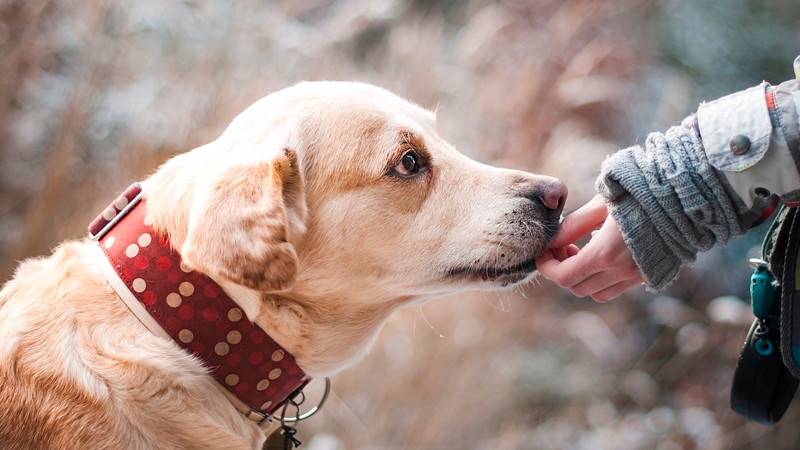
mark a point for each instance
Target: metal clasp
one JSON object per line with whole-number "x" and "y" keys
{"x": 299, "y": 416}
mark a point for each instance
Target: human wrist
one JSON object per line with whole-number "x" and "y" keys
{"x": 668, "y": 202}
{"x": 656, "y": 261}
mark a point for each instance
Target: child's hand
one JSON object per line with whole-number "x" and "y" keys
{"x": 603, "y": 268}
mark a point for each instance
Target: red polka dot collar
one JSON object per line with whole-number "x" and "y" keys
{"x": 192, "y": 309}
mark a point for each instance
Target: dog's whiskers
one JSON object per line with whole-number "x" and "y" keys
{"x": 521, "y": 292}
{"x": 502, "y": 306}
{"x": 430, "y": 325}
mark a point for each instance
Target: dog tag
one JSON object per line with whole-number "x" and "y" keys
{"x": 281, "y": 439}
{"x": 275, "y": 440}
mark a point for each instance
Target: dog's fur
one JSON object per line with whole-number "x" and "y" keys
{"x": 305, "y": 214}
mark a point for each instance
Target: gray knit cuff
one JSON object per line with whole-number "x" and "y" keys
{"x": 668, "y": 202}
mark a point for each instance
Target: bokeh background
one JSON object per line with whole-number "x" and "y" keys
{"x": 95, "y": 93}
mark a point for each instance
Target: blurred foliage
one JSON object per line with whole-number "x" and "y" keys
{"x": 725, "y": 46}
{"x": 95, "y": 94}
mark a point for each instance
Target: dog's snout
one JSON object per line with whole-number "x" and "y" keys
{"x": 548, "y": 193}
{"x": 553, "y": 195}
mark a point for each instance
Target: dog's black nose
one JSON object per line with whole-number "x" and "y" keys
{"x": 553, "y": 194}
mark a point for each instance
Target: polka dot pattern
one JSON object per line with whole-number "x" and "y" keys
{"x": 144, "y": 240}
{"x": 131, "y": 250}
{"x": 234, "y": 337}
{"x": 199, "y": 316}
{"x": 139, "y": 285}
{"x": 234, "y": 314}
{"x": 222, "y": 348}
{"x": 112, "y": 210}
{"x": 185, "y": 336}
{"x": 186, "y": 289}
{"x": 174, "y": 300}
{"x": 120, "y": 203}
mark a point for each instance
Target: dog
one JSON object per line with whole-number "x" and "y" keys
{"x": 319, "y": 211}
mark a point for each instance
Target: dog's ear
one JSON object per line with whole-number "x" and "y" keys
{"x": 242, "y": 223}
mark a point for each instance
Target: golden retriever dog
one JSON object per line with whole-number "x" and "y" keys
{"x": 320, "y": 210}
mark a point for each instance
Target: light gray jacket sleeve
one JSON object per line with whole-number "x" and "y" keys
{"x": 703, "y": 182}
{"x": 763, "y": 117}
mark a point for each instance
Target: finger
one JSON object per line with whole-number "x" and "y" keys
{"x": 616, "y": 290}
{"x": 572, "y": 250}
{"x": 607, "y": 275}
{"x": 597, "y": 282}
{"x": 571, "y": 271}
{"x": 547, "y": 265}
{"x": 548, "y": 254}
{"x": 563, "y": 253}
{"x": 582, "y": 221}
{"x": 559, "y": 272}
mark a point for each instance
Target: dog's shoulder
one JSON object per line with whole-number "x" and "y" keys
{"x": 39, "y": 350}
{"x": 77, "y": 368}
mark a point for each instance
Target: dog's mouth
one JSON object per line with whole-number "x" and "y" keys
{"x": 499, "y": 270}
{"x": 498, "y": 275}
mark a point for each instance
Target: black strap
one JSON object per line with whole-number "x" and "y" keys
{"x": 763, "y": 386}
{"x": 788, "y": 243}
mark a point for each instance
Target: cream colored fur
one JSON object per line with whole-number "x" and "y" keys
{"x": 304, "y": 213}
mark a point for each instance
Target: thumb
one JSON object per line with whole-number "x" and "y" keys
{"x": 582, "y": 221}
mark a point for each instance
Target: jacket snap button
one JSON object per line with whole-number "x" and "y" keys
{"x": 739, "y": 144}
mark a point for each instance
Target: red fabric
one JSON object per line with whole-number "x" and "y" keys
{"x": 199, "y": 316}
{"x": 770, "y": 100}
{"x": 112, "y": 210}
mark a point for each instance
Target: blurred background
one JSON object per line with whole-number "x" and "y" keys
{"x": 95, "y": 94}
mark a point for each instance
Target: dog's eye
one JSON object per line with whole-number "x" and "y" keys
{"x": 409, "y": 164}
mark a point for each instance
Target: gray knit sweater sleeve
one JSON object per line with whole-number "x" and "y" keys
{"x": 668, "y": 202}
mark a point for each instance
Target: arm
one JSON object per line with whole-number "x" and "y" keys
{"x": 683, "y": 193}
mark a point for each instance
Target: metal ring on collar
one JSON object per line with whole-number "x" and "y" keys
{"x": 311, "y": 412}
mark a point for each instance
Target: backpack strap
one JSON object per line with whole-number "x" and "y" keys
{"x": 763, "y": 386}
{"x": 785, "y": 263}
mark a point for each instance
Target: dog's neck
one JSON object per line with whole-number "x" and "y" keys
{"x": 325, "y": 331}
{"x": 324, "y": 335}
{"x": 174, "y": 301}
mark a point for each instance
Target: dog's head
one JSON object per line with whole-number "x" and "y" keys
{"x": 333, "y": 187}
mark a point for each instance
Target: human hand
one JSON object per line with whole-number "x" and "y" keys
{"x": 603, "y": 269}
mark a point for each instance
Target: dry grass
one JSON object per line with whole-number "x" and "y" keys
{"x": 94, "y": 94}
